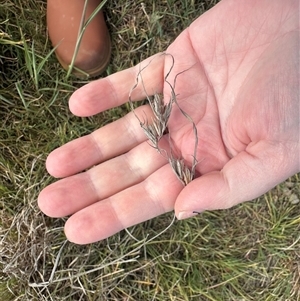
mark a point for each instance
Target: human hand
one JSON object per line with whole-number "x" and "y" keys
{"x": 241, "y": 89}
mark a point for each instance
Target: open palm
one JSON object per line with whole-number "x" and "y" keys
{"x": 240, "y": 87}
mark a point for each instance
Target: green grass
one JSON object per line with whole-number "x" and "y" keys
{"x": 250, "y": 252}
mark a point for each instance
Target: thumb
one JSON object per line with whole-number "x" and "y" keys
{"x": 246, "y": 176}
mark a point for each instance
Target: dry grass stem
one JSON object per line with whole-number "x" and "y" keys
{"x": 155, "y": 130}
{"x": 174, "y": 99}
{"x": 158, "y": 127}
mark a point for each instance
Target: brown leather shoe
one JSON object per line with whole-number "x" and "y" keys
{"x": 63, "y": 20}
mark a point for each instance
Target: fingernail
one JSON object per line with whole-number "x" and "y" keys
{"x": 186, "y": 214}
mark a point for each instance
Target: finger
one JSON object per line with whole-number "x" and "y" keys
{"x": 245, "y": 177}
{"x": 114, "y": 90}
{"x": 74, "y": 193}
{"x": 127, "y": 208}
{"x": 107, "y": 142}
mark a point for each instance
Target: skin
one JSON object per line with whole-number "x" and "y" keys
{"x": 241, "y": 88}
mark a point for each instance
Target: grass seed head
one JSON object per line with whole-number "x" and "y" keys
{"x": 159, "y": 125}
{"x": 154, "y": 131}
{"x": 160, "y": 110}
{"x": 181, "y": 170}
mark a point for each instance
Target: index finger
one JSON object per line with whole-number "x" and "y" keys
{"x": 113, "y": 90}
